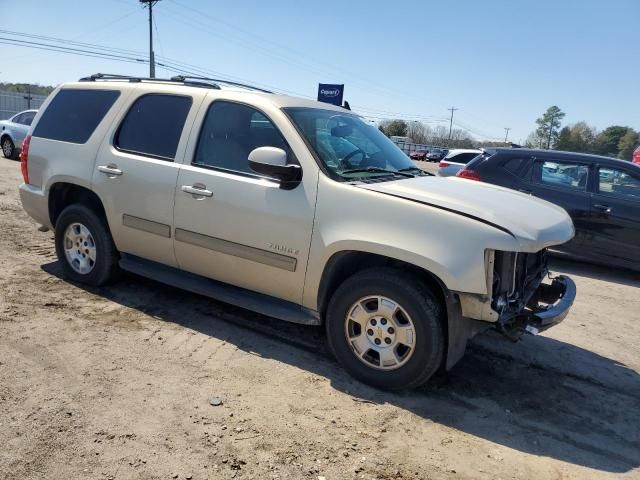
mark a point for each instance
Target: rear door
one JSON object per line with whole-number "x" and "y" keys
{"x": 565, "y": 183}
{"x": 135, "y": 172}
{"x": 615, "y": 216}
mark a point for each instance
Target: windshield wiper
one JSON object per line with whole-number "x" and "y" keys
{"x": 377, "y": 170}
{"x": 414, "y": 169}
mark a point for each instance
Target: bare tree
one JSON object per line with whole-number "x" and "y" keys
{"x": 418, "y": 131}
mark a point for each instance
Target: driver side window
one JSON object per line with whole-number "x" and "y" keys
{"x": 230, "y": 132}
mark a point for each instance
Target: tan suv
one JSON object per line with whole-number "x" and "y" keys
{"x": 292, "y": 208}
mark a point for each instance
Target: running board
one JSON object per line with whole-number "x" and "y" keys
{"x": 240, "y": 297}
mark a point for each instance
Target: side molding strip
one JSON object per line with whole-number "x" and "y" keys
{"x": 237, "y": 250}
{"x": 148, "y": 226}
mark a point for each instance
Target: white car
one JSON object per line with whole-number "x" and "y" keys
{"x": 456, "y": 160}
{"x": 13, "y": 131}
{"x": 292, "y": 208}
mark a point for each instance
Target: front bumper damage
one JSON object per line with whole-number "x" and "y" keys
{"x": 520, "y": 301}
{"x": 552, "y": 303}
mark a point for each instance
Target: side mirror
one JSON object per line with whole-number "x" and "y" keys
{"x": 272, "y": 162}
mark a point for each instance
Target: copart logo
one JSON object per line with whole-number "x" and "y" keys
{"x": 330, "y": 93}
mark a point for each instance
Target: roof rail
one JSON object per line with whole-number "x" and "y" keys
{"x": 184, "y": 78}
{"x": 132, "y": 79}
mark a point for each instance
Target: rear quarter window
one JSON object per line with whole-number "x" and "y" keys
{"x": 73, "y": 114}
{"x": 463, "y": 157}
{"x": 518, "y": 167}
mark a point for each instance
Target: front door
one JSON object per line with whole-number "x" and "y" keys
{"x": 615, "y": 216}
{"x": 135, "y": 175}
{"x": 233, "y": 225}
{"x": 565, "y": 184}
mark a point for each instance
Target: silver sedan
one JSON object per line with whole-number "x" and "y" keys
{"x": 13, "y": 131}
{"x": 456, "y": 160}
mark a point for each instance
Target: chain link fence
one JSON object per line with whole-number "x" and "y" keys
{"x": 14, "y": 102}
{"x": 408, "y": 147}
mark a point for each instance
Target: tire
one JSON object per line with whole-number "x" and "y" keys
{"x": 417, "y": 305}
{"x": 96, "y": 261}
{"x": 8, "y": 148}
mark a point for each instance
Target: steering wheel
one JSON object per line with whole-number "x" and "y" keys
{"x": 345, "y": 161}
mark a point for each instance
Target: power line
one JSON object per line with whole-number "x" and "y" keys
{"x": 175, "y": 66}
{"x": 71, "y": 42}
{"x": 76, "y": 51}
{"x": 506, "y": 133}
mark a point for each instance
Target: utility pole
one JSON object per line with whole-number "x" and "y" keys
{"x": 452, "y": 109}
{"x": 506, "y": 133}
{"x": 152, "y": 60}
{"x": 28, "y": 97}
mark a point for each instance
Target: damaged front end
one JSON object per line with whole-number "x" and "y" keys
{"x": 524, "y": 297}
{"x": 520, "y": 297}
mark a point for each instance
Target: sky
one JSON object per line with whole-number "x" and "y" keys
{"x": 500, "y": 62}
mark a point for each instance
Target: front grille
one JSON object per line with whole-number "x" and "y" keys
{"x": 516, "y": 276}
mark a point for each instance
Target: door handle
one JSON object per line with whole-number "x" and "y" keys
{"x": 111, "y": 170}
{"x": 604, "y": 208}
{"x": 197, "y": 189}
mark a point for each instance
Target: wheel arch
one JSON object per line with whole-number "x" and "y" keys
{"x": 456, "y": 328}
{"x": 62, "y": 194}
{"x": 343, "y": 264}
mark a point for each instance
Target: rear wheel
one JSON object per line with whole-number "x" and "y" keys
{"x": 8, "y": 148}
{"x": 84, "y": 246}
{"x": 385, "y": 328}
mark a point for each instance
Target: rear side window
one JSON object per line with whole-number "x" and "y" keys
{"x": 153, "y": 125}
{"x": 560, "y": 174}
{"x": 73, "y": 115}
{"x": 27, "y": 118}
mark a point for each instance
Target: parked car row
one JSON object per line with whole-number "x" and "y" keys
{"x": 13, "y": 131}
{"x": 432, "y": 155}
{"x": 601, "y": 194}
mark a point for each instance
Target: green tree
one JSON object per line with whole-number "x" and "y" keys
{"x": 609, "y": 139}
{"x": 394, "y": 128}
{"x": 549, "y": 125}
{"x": 564, "y": 140}
{"x": 26, "y": 87}
{"x": 628, "y": 144}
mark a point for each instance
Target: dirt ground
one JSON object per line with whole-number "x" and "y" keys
{"x": 115, "y": 383}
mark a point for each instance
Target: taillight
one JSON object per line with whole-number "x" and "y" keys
{"x": 24, "y": 157}
{"x": 468, "y": 174}
{"x": 443, "y": 164}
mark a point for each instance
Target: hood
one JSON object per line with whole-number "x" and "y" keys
{"x": 535, "y": 223}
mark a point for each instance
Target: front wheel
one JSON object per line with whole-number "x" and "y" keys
{"x": 84, "y": 246}
{"x": 385, "y": 328}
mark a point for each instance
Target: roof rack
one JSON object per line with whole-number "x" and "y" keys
{"x": 204, "y": 82}
{"x": 184, "y": 78}
{"x": 132, "y": 79}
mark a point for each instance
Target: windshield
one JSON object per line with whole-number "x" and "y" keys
{"x": 348, "y": 147}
